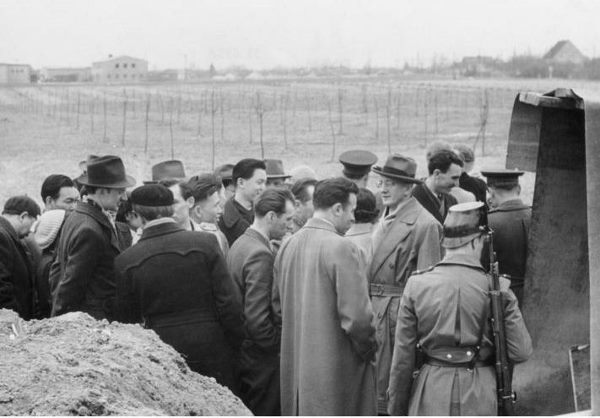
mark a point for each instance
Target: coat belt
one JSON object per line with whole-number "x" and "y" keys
{"x": 179, "y": 318}
{"x": 376, "y": 289}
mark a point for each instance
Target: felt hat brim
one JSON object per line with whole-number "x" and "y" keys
{"x": 381, "y": 172}
{"x": 127, "y": 182}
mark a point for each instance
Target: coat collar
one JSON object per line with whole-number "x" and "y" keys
{"x": 510, "y": 205}
{"x": 160, "y": 229}
{"x": 461, "y": 259}
{"x": 95, "y": 212}
{"x": 360, "y": 229}
{"x": 318, "y": 223}
{"x": 9, "y": 228}
{"x": 396, "y": 233}
{"x": 254, "y": 234}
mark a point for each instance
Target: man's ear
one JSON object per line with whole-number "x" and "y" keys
{"x": 297, "y": 203}
{"x": 190, "y": 201}
{"x": 337, "y": 208}
{"x": 23, "y": 215}
{"x": 48, "y": 200}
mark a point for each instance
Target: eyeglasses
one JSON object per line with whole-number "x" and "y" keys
{"x": 387, "y": 183}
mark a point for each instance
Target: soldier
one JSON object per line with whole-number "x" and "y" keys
{"x": 357, "y": 165}
{"x": 510, "y": 219}
{"x": 444, "y": 312}
{"x": 406, "y": 238}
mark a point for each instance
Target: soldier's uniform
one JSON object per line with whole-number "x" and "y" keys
{"x": 357, "y": 163}
{"x": 510, "y": 221}
{"x": 445, "y": 311}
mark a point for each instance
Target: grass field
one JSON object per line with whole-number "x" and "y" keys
{"x": 47, "y": 129}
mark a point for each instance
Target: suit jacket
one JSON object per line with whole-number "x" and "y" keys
{"x": 250, "y": 262}
{"x": 235, "y": 220}
{"x": 176, "y": 283}
{"x": 430, "y": 202}
{"x": 473, "y": 185}
{"x": 411, "y": 242}
{"x": 328, "y": 338}
{"x": 511, "y": 221}
{"x": 444, "y": 310}
{"x": 16, "y": 273}
{"x": 82, "y": 277}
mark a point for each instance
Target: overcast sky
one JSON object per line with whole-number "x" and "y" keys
{"x": 268, "y": 33}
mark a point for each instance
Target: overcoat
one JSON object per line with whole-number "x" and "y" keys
{"x": 361, "y": 235}
{"x": 511, "y": 221}
{"x": 250, "y": 263}
{"x": 411, "y": 242}
{"x": 473, "y": 185}
{"x": 16, "y": 273}
{"x": 446, "y": 310}
{"x": 176, "y": 283}
{"x": 432, "y": 203}
{"x": 328, "y": 338}
{"x": 82, "y": 276}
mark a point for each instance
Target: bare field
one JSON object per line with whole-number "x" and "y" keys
{"x": 47, "y": 129}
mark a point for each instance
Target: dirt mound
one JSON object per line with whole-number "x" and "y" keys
{"x": 75, "y": 365}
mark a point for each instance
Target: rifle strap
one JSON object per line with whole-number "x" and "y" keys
{"x": 484, "y": 319}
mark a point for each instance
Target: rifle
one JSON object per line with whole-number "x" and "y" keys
{"x": 506, "y": 396}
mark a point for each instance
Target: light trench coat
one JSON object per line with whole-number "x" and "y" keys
{"x": 410, "y": 242}
{"x": 443, "y": 310}
{"x": 328, "y": 337}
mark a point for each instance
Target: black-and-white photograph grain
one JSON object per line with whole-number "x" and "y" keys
{"x": 299, "y": 207}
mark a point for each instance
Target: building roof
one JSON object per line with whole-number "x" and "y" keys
{"x": 119, "y": 58}
{"x": 15, "y": 65}
{"x": 562, "y": 47}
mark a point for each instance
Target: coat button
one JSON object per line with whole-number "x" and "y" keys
{"x": 448, "y": 356}
{"x": 469, "y": 353}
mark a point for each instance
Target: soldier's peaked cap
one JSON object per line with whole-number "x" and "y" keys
{"x": 357, "y": 162}
{"x": 503, "y": 178}
{"x": 462, "y": 225}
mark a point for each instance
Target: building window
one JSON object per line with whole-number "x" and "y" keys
{"x": 125, "y": 65}
{"x": 108, "y": 76}
{"x": 117, "y": 65}
{"x": 116, "y": 75}
{"x": 133, "y": 65}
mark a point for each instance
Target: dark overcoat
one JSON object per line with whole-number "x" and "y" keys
{"x": 432, "y": 203}
{"x": 511, "y": 221}
{"x": 16, "y": 274}
{"x": 82, "y": 277}
{"x": 473, "y": 185}
{"x": 250, "y": 262}
{"x": 176, "y": 283}
{"x": 443, "y": 310}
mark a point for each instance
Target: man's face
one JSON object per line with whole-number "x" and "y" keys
{"x": 255, "y": 185}
{"x": 210, "y": 209}
{"x": 67, "y": 199}
{"x": 271, "y": 183}
{"x": 444, "y": 182}
{"x": 346, "y": 215}
{"x": 111, "y": 198}
{"x": 26, "y": 223}
{"x": 305, "y": 210}
{"x": 282, "y": 224}
{"x": 181, "y": 207}
{"x": 393, "y": 192}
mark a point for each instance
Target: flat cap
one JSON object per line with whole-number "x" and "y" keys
{"x": 152, "y": 195}
{"x": 502, "y": 178}
{"x": 357, "y": 162}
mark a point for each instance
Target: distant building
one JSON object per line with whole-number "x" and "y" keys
{"x": 123, "y": 69}
{"x": 478, "y": 66}
{"x": 15, "y": 73}
{"x": 564, "y": 52}
{"x": 66, "y": 75}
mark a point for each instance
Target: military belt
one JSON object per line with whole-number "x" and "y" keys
{"x": 466, "y": 365}
{"x": 376, "y": 289}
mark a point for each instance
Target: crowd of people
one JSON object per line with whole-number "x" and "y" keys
{"x": 304, "y": 296}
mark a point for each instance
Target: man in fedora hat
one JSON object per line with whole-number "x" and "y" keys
{"x": 444, "y": 311}
{"x": 82, "y": 276}
{"x": 510, "y": 219}
{"x": 276, "y": 176}
{"x": 406, "y": 238}
{"x": 167, "y": 170}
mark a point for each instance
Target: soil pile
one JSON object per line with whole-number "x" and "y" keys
{"x": 75, "y": 365}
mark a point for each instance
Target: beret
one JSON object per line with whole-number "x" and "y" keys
{"x": 152, "y": 195}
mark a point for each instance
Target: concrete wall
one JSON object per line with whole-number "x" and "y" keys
{"x": 120, "y": 70}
